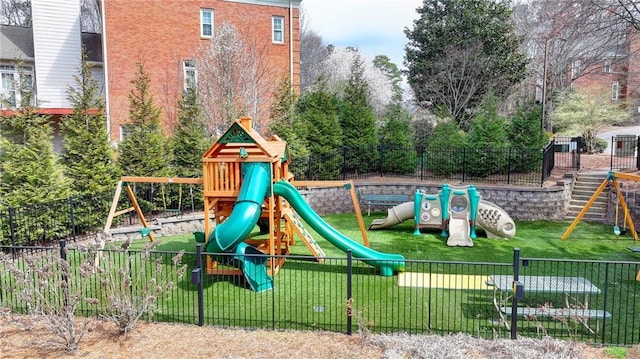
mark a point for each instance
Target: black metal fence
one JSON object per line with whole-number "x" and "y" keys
{"x": 51, "y": 221}
{"x": 436, "y": 297}
{"x": 494, "y": 165}
{"x": 624, "y": 152}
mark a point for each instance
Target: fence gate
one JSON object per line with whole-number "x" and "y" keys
{"x": 567, "y": 152}
{"x": 624, "y": 152}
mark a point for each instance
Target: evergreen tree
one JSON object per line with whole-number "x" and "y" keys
{"x": 30, "y": 171}
{"x": 487, "y": 141}
{"x": 143, "y": 151}
{"x": 286, "y": 123}
{"x": 190, "y": 141}
{"x": 526, "y": 139}
{"x": 88, "y": 156}
{"x": 358, "y": 122}
{"x": 444, "y": 154}
{"x": 459, "y": 50}
{"x": 30, "y": 175}
{"x": 319, "y": 112}
{"x": 396, "y": 141}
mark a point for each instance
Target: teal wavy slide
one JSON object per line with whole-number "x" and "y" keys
{"x": 388, "y": 263}
{"x": 229, "y": 235}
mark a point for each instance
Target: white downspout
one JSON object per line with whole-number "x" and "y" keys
{"x": 105, "y": 71}
{"x": 291, "y": 44}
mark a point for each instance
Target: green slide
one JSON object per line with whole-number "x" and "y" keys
{"x": 229, "y": 235}
{"x": 388, "y": 263}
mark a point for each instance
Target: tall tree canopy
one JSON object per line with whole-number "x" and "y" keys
{"x": 458, "y": 50}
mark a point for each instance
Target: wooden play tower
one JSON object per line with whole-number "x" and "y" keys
{"x": 222, "y": 178}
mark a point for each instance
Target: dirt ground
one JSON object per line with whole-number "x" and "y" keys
{"x": 27, "y": 337}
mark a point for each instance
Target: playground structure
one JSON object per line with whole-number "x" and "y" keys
{"x": 610, "y": 181}
{"x": 456, "y": 211}
{"x": 246, "y": 180}
{"x": 246, "y": 183}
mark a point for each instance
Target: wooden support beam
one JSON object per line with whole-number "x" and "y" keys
{"x": 586, "y": 207}
{"x": 161, "y": 180}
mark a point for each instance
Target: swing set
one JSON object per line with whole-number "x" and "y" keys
{"x": 126, "y": 181}
{"x": 611, "y": 180}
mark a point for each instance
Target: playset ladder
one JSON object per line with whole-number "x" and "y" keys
{"x": 308, "y": 240}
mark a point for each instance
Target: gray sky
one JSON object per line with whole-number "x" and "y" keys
{"x": 376, "y": 27}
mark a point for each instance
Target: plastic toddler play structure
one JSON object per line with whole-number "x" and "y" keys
{"x": 456, "y": 211}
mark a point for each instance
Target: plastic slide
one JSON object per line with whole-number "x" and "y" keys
{"x": 388, "y": 263}
{"x": 395, "y": 215}
{"x": 459, "y": 232}
{"x": 230, "y": 234}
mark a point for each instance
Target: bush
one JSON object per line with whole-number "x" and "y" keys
{"x": 600, "y": 145}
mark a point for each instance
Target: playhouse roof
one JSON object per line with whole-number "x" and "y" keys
{"x": 241, "y": 141}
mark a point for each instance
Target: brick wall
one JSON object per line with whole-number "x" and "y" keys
{"x": 161, "y": 34}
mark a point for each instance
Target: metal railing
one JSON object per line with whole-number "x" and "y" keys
{"x": 344, "y": 294}
{"x": 493, "y": 165}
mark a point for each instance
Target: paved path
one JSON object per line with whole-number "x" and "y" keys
{"x": 630, "y": 130}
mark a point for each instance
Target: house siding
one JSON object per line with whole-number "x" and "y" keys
{"x": 57, "y": 49}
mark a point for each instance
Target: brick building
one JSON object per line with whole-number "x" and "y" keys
{"x": 166, "y": 36}
{"x": 617, "y": 72}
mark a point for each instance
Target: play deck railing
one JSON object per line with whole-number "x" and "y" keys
{"x": 226, "y": 178}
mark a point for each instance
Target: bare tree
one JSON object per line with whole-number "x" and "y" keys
{"x": 568, "y": 39}
{"x": 626, "y": 10}
{"x": 312, "y": 53}
{"x": 15, "y": 12}
{"x": 90, "y": 16}
{"x": 236, "y": 79}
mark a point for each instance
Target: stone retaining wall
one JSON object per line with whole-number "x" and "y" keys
{"x": 162, "y": 227}
{"x": 522, "y": 204}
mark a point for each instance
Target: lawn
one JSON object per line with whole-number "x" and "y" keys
{"x": 538, "y": 239}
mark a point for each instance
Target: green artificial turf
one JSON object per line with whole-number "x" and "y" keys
{"x": 535, "y": 239}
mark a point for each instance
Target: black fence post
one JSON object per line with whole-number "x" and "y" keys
{"x": 509, "y": 165}
{"x": 464, "y": 163}
{"x": 349, "y": 289}
{"x": 514, "y": 302}
{"x": 65, "y": 278}
{"x": 12, "y": 226}
{"x": 196, "y": 278}
{"x": 72, "y": 218}
{"x": 605, "y": 302}
{"x": 344, "y": 163}
{"x": 421, "y": 153}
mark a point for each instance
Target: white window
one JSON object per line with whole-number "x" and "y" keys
{"x": 15, "y": 85}
{"x": 124, "y": 132}
{"x": 206, "y": 23}
{"x": 190, "y": 74}
{"x": 615, "y": 91}
{"x": 607, "y": 66}
{"x": 278, "y": 29}
{"x": 575, "y": 69}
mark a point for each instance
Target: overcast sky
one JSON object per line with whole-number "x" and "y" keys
{"x": 376, "y": 27}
